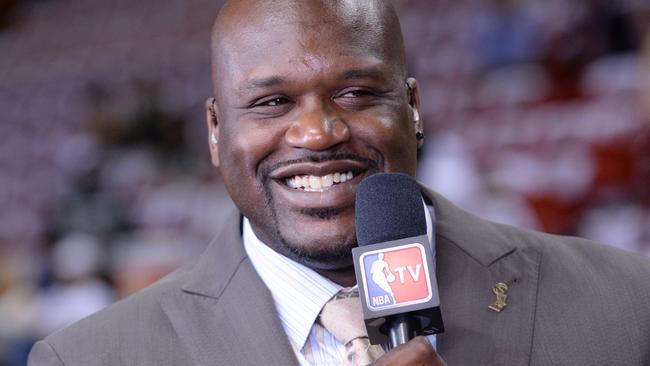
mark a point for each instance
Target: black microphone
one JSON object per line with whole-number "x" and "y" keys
{"x": 393, "y": 263}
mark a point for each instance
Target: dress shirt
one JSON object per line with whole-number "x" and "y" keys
{"x": 299, "y": 294}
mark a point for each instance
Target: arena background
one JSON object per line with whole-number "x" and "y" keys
{"x": 537, "y": 114}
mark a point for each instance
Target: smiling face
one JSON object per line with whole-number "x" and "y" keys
{"x": 310, "y": 99}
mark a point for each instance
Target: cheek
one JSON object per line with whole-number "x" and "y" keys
{"x": 241, "y": 151}
{"x": 394, "y": 137}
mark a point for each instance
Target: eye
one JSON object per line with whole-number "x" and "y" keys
{"x": 356, "y": 99}
{"x": 357, "y": 93}
{"x": 272, "y": 102}
{"x": 271, "y": 106}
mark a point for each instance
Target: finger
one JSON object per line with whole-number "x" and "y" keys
{"x": 416, "y": 352}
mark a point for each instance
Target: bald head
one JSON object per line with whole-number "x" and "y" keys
{"x": 359, "y": 26}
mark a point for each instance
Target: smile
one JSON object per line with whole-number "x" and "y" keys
{"x": 314, "y": 183}
{"x": 325, "y": 184}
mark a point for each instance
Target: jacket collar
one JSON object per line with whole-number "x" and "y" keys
{"x": 472, "y": 230}
{"x": 224, "y": 313}
{"x": 209, "y": 279}
{"x": 472, "y": 256}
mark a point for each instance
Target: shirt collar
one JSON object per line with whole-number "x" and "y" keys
{"x": 428, "y": 212}
{"x": 298, "y": 291}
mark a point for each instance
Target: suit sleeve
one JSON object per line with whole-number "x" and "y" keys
{"x": 42, "y": 354}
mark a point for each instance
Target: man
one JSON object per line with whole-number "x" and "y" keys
{"x": 311, "y": 97}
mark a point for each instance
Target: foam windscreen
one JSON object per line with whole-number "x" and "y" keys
{"x": 388, "y": 207}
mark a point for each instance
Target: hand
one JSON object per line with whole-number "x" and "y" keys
{"x": 416, "y": 352}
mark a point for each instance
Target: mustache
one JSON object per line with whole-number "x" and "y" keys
{"x": 314, "y": 158}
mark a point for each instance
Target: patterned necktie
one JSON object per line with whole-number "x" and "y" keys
{"x": 343, "y": 318}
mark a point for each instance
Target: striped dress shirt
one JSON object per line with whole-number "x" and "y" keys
{"x": 299, "y": 294}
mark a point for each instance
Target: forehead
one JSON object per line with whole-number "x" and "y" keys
{"x": 303, "y": 41}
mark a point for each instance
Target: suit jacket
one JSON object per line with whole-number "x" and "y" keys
{"x": 570, "y": 302}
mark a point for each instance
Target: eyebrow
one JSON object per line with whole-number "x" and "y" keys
{"x": 360, "y": 73}
{"x": 364, "y": 73}
{"x": 264, "y": 82}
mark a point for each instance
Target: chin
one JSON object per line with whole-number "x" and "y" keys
{"x": 331, "y": 253}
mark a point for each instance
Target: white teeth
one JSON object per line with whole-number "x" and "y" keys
{"x": 327, "y": 181}
{"x": 315, "y": 183}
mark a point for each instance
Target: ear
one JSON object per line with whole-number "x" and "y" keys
{"x": 414, "y": 103}
{"x": 212, "y": 119}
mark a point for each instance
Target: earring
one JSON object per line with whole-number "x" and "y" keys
{"x": 416, "y": 115}
{"x": 416, "y": 119}
{"x": 213, "y": 112}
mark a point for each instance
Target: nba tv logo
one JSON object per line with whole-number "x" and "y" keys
{"x": 396, "y": 276}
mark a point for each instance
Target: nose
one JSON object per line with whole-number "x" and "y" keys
{"x": 317, "y": 128}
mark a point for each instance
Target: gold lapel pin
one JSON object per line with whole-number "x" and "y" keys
{"x": 501, "y": 291}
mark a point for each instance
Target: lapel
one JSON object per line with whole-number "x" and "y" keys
{"x": 472, "y": 255}
{"x": 224, "y": 314}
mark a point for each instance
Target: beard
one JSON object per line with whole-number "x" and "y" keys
{"x": 331, "y": 256}
{"x": 327, "y": 258}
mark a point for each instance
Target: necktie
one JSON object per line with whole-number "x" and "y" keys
{"x": 343, "y": 318}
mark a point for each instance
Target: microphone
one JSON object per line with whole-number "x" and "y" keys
{"x": 393, "y": 262}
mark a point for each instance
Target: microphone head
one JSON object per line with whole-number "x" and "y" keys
{"x": 388, "y": 207}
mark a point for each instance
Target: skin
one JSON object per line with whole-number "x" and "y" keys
{"x": 312, "y": 88}
{"x": 416, "y": 352}
{"x": 309, "y": 88}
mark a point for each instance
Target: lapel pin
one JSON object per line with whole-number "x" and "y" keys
{"x": 501, "y": 291}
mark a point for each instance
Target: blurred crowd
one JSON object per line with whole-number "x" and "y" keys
{"x": 537, "y": 114}
{"x": 136, "y": 204}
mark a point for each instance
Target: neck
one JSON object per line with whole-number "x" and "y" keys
{"x": 344, "y": 277}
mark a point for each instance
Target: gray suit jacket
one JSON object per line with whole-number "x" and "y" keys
{"x": 571, "y": 302}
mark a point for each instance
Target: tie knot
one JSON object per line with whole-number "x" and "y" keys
{"x": 343, "y": 317}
